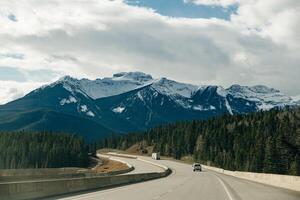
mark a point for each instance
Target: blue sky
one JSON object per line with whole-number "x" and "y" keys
{"x": 10, "y": 73}
{"x": 177, "y": 8}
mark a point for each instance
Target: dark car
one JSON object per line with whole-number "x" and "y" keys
{"x": 197, "y": 167}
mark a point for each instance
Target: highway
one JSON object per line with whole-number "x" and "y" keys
{"x": 184, "y": 184}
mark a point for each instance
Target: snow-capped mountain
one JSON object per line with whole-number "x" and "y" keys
{"x": 130, "y": 101}
{"x": 296, "y": 99}
{"x": 264, "y": 97}
{"x": 99, "y": 88}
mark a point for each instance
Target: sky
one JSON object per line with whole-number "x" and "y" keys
{"x": 220, "y": 42}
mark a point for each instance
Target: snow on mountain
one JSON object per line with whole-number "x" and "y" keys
{"x": 258, "y": 93}
{"x": 179, "y": 92}
{"x": 83, "y": 108}
{"x": 170, "y": 87}
{"x": 99, "y": 88}
{"x": 125, "y": 82}
{"x": 118, "y": 109}
{"x": 71, "y": 99}
{"x": 202, "y": 108}
{"x": 133, "y": 76}
{"x": 90, "y": 113}
{"x": 69, "y": 83}
{"x": 221, "y": 91}
{"x": 134, "y": 101}
{"x": 296, "y": 99}
{"x": 228, "y": 107}
{"x": 86, "y": 110}
{"x": 211, "y": 98}
{"x": 265, "y": 97}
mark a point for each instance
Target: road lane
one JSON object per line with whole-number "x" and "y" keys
{"x": 184, "y": 184}
{"x": 248, "y": 190}
{"x": 141, "y": 167}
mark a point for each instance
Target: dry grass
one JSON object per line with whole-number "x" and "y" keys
{"x": 140, "y": 149}
{"x": 134, "y": 149}
{"x": 107, "y": 150}
{"x": 110, "y": 166}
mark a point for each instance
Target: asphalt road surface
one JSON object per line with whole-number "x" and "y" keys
{"x": 184, "y": 184}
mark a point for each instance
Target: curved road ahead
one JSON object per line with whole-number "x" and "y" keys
{"x": 184, "y": 184}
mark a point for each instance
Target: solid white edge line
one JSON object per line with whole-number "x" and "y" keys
{"x": 225, "y": 188}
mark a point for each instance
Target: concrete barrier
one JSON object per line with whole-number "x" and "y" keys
{"x": 47, "y": 188}
{"x": 33, "y": 172}
{"x": 41, "y": 177}
{"x": 282, "y": 181}
{"x": 12, "y": 175}
{"x": 122, "y": 155}
{"x": 84, "y": 173}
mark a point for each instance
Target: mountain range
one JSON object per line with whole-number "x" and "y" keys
{"x": 130, "y": 101}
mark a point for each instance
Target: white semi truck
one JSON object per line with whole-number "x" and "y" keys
{"x": 156, "y": 156}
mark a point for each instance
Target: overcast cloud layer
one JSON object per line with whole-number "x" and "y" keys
{"x": 43, "y": 40}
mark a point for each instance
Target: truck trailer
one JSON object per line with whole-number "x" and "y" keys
{"x": 156, "y": 156}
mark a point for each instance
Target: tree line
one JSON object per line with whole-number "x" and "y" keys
{"x": 41, "y": 150}
{"x": 266, "y": 142}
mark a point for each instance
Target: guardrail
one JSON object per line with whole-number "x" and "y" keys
{"x": 282, "y": 181}
{"x": 47, "y": 188}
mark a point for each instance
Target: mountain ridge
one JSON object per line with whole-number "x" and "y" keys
{"x": 134, "y": 101}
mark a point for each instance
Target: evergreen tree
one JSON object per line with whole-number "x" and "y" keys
{"x": 41, "y": 150}
{"x": 259, "y": 142}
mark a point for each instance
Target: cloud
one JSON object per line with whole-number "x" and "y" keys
{"x": 12, "y": 55}
{"x": 10, "y": 73}
{"x": 274, "y": 19}
{"x": 89, "y": 38}
{"x": 12, "y": 17}
{"x": 11, "y": 90}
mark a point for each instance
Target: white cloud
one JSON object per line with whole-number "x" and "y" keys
{"x": 11, "y": 90}
{"x": 275, "y": 19}
{"x": 91, "y": 38}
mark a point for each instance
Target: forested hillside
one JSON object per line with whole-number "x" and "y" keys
{"x": 41, "y": 150}
{"x": 259, "y": 142}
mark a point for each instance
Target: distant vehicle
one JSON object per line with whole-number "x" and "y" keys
{"x": 197, "y": 167}
{"x": 156, "y": 156}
